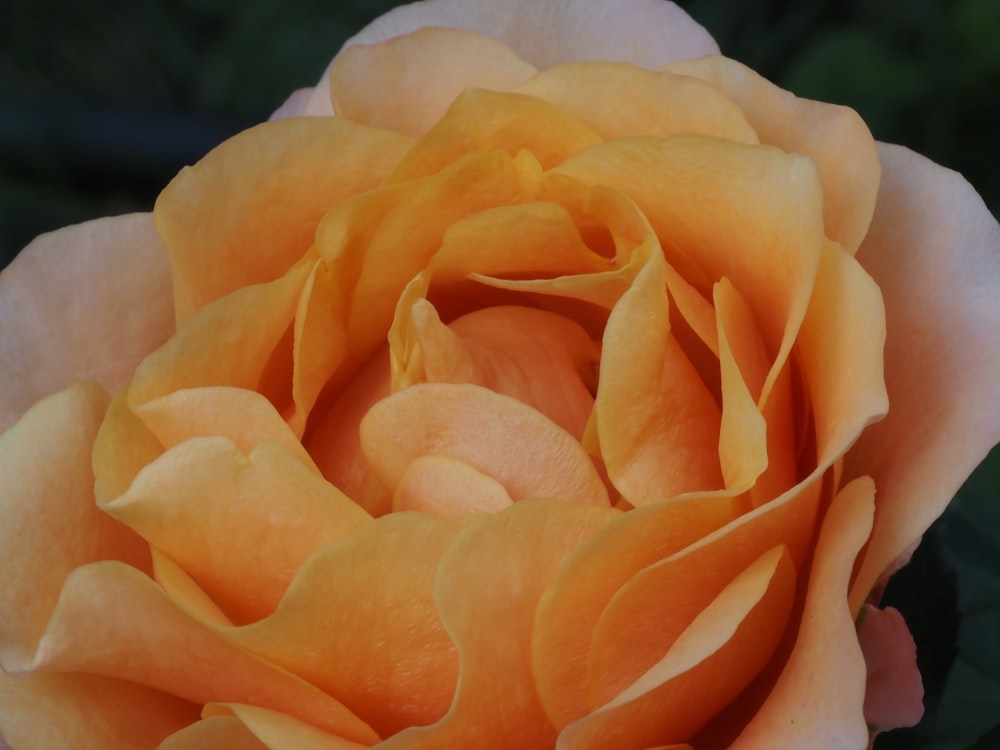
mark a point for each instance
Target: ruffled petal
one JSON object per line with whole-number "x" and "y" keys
{"x": 934, "y": 250}
{"x": 87, "y": 302}
{"x": 894, "y": 693}
{"x": 51, "y": 523}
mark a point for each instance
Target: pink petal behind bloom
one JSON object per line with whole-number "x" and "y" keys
{"x": 934, "y": 250}
{"x": 894, "y": 693}
{"x": 87, "y": 302}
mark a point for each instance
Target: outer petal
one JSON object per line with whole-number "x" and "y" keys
{"x": 934, "y": 250}
{"x": 87, "y": 302}
{"x": 86, "y": 712}
{"x": 50, "y": 522}
{"x": 649, "y": 33}
{"x": 894, "y": 693}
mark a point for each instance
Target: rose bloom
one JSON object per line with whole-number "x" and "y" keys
{"x": 555, "y": 382}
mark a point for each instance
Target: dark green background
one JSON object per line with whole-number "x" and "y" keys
{"x": 101, "y": 103}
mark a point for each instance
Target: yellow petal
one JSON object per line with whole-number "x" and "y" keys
{"x": 213, "y": 733}
{"x": 86, "y": 302}
{"x": 518, "y": 446}
{"x": 385, "y": 85}
{"x": 834, "y": 137}
{"x": 278, "y": 731}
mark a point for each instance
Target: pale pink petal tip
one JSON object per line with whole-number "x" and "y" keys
{"x": 295, "y": 105}
{"x": 894, "y": 695}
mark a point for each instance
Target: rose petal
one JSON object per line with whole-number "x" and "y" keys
{"x": 295, "y": 105}
{"x": 112, "y": 620}
{"x": 934, "y": 251}
{"x": 816, "y": 702}
{"x": 395, "y": 664}
{"x": 51, "y": 523}
{"x": 448, "y": 488}
{"x": 240, "y": 525}
{"x": 495, "y": 572}
{"x": 644, "y": 377}
{"x": 278, "y": 731}
{"x": 86, "y": 712}
{"x": 721, "y": 652}
{"x": 385, "y": 86}
{"x": 894, "y": 692}
{"x": 290, "y": 173}
{"x": 619, "y": 100}
{"x": 834, "y": 137}
{"x": 213, "y": 733}
{"x": 649, "y": 33}
{"x": 525, "y": 451}
{"x": 534, "y": 356}
{"x": 86, "y": 302}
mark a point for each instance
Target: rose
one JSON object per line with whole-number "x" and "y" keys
{"x": 757, "y": 501}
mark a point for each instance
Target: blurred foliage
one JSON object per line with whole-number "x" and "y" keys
{"x": 101, "y": 103}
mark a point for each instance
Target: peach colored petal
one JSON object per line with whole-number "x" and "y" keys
{"x": 214, "y": 733}
{"x": 894, "y": 694}
{"x": 657, "y": 424}
{"x": 403, "y": 244}
{"x": 495, "y": 572}
{"x": 448, "y": 488}
{"x": 290, "y": 173}
{"x": 525, "y": 451}
{"x": 834, "y": 137}
{"x": 280, "y": 731}
{"x": 934, "y": 251}
{"x": 619, "y": 100}
{"x": 385, "y": 85}
{"x": 86, "y": 712}
{"x": 395, "y": 665}
{"x": 481, "y": 120}
{"x": 721, "y": 652}
{"x": 649, "y": 33}
{"x": 256, "y": 322}
{"x": 816, "y": 702}
{"x": 570, "y": 608}
{"x": 112, "y": 620}
{"x": 530, "y": 240}
{"x": 51, "y": 524}
{"x": 840, "y": 348}
{"x": 240, "y": 525}
{"x": 334, "y": 440}
{"x": 86, "y": 302}
{"x": 539, "y": 358}
{"x": 722, "y": 209}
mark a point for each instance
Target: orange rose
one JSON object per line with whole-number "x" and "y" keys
{"x": 519, "y": 404}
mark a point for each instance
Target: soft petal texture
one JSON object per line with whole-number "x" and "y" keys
{"x": 816, "y": 702}
{"x": 87, "y": 302}
{"x": 894, "y": 692}
{"x": 495, "y": 572}
{"x": 708, "y": 665}
{"x": 383, "y": 85}
{"x": 290, "y": 173}
{"x": 395, "y": 664}
{"x": 648, "y": 33}
{"x": 94, "y": 713}
{"x": 249, "y": 521}
{"x": 114, "y": 621}
{"x": 934, "y": 250}
{"x": 51, "y": 524}
{"x": 834, "y": 137}
{"x": 526, "y": 452}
